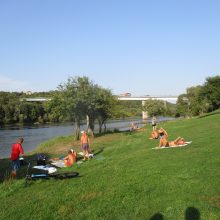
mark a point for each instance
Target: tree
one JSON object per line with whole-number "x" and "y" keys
{"x": 182, "y": 106}
{"x": 75, "y": 94}
{"x": 105, "y": 105}
{"x": 210, "y": 93}
{"x": 55, "y": 108}
{"x": 154, "y": 107}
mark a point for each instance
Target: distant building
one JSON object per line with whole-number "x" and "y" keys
{"x": 127, "y": 94}
{"x": 27, "y": 92}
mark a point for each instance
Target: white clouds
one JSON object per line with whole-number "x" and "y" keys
{"x": 9, "y": 84}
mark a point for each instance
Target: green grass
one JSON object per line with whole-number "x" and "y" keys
{"x": 127, "y": 179}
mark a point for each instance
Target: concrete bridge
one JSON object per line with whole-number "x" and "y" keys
{"x": 171, "y": 99}
{"x": 38, "y": 99}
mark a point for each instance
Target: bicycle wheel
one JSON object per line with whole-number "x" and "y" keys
{"x": 64, "y": 175}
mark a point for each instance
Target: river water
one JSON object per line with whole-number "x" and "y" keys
{"x": 35, "y": 134}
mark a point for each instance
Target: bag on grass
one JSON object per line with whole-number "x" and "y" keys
{"x": 41, "y": 159}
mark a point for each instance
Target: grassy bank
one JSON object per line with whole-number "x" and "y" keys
{"x": 127, "y": 179}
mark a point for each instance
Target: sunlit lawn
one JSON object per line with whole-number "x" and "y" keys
{"x": 127, "y": 179}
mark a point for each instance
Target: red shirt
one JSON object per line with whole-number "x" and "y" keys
{"x": 16, "y": 150}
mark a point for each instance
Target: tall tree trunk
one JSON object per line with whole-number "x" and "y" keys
{"x": 100, "y": 126}
{"x": 77, "y": 131}
{"x": 91, "y": 125}
{"x": 105, "y": 128}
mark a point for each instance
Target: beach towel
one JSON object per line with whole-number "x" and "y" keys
{"x": 181, "y": 145}
{"x": 58, "y": 163}
{"x": 90, "y": 155}
{"x": 47, "y": 168}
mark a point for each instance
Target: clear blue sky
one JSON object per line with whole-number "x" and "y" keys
{"x": 154, "y": 47}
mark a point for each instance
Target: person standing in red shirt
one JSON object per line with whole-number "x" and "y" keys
{"x": 15, "y": 152}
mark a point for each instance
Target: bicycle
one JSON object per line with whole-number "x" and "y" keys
{"x": 57, "y": 175}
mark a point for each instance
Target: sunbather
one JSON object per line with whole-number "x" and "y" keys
{"x": 154, "y": 135}
{"x": 177, "y": 142}
{"x": 163, "y": 135}
{"x": 70, "y": 159}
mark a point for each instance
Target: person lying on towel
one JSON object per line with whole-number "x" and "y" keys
{"x": 177, "y": 142}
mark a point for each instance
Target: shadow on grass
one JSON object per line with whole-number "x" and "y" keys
{"x": 157, "y": 216}
{"x": 5, "y": 168}
{"x": 192, "y": 213}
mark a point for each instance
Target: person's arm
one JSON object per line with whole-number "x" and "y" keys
{"x": 81, "y": 142}
{"x": 89, "y": 145}
{"x": 165, "y": 133}
{"x": 21, "y": 150}
{"x": 88, "y": 141}
{"x": 66, "y": 158}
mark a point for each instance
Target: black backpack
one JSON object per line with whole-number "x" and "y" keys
{"x": 41, "y": 159}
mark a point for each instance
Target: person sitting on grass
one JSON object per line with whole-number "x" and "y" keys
{"x": 133, "y": 127}
{"x": 163, "y": 135}
{"x": 70, "y": 159}
{"x": 154, "y": 135}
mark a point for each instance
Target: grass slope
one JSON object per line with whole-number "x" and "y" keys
{"x": 128, "y": 179}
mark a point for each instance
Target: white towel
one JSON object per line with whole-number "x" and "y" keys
{"x": 181, "y": 145}
{"x": 90, "y": 155}
{"x": 49, "y": 169}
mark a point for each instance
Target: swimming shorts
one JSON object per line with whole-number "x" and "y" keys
{"x": 85, "y": 147}
{"x": 15, "y": 165}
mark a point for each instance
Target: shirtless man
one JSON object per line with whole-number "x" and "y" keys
{"x": 85, "y": 145}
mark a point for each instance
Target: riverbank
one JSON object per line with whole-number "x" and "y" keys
{"x": 128, "y": 179}
{"x": 34, "y": 135}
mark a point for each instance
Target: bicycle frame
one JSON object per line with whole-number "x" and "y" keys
{"x": 48, "y": 176}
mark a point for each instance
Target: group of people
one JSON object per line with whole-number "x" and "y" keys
{"x": 134, "y": 126}
{"x": 71, "y": 158}
{"x": 163, "y": 136}
{"x": 17, "y": 151}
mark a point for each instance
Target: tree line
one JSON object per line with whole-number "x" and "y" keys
{"x": 74, "y": 101}
{"x": 80, "y": 98}
{"x": 200, "y": 99}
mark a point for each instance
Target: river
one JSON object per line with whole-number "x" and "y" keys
{"x": 35, "y": 134}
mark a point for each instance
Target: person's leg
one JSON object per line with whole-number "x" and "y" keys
{"x": 15, "y": 167}
{"x": 161, "y": 143}
{"x": 176, "y": 141}
{"x": 65, "y": 162}
{"x": 87, "y": 152}
{"x": 84, "y": 155}
{"x": 13, "y": 174}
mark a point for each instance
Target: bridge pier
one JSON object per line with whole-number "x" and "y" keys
{"x": 144, "y": 113}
